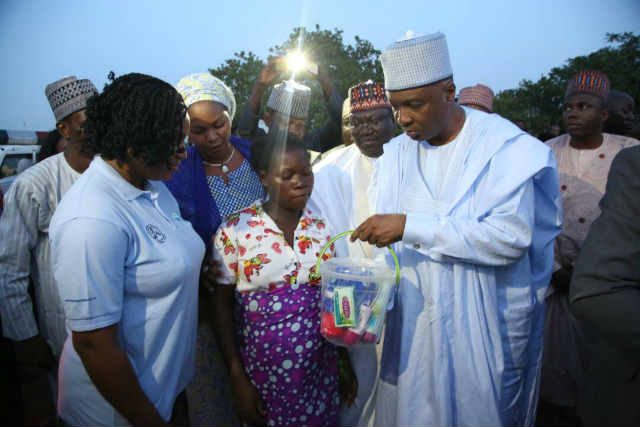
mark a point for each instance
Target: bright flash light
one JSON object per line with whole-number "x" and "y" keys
{"x": 296, "y": 61}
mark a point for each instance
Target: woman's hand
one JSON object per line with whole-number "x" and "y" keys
{"x": 246, "y": 399}
{"x": 347, "y": 379}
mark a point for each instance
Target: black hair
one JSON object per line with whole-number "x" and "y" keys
{"x": 266, "y": 149}
{"x": 137, "y": 112}
{"x": 48, "y": 146}
{"x": 615, "y": 95}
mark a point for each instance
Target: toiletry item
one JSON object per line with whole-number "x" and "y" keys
{"x": 352, "y": 335}
{"x": 344, "y": 306}
{"x": 328, "y": 327}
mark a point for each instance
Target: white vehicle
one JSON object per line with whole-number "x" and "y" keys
{"x": 18, "y": 151}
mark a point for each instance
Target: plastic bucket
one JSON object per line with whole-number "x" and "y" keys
{"x": 355, "y": 297}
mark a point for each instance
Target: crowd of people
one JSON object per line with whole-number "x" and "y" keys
{"x": 158, "y": 265}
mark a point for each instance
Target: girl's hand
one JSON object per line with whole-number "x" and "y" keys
{"x": 247, "y": 401}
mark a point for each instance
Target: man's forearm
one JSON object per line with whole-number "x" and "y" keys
{"x": 255, "y": 99}
{"x": 249, "y": 117}
{"x": 18, "y": 235}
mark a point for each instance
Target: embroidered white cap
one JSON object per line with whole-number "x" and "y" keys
{"x": 291, "y": 99}
{"x": 416, "y": 61}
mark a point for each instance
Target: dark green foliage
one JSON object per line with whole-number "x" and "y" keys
{"x": 346, "y": 64}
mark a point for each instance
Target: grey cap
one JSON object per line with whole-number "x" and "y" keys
{"x": 291, "y": 99}
{"x": 415, "y": 62}
{"x": 68, "y": 95}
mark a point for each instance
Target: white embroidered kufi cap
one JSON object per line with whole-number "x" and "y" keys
{"x": 415, "y": 62}
{"x": 68, "y": 95}
{"x": 291, "y": 99}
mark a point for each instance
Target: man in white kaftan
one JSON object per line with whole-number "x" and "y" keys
{"x": 471, "y": 203}
{"x": 25, "y": 254}
{"x": 342, "y": 192}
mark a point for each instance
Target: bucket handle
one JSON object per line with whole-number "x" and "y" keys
{"x": 346, "y": 233}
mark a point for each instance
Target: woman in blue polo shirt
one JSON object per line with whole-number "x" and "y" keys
{"x": 126, "y": 264}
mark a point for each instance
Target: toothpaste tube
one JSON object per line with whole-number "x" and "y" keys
{"x": 343, "y": 306}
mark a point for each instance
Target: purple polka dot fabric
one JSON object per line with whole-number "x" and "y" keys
{"x": 291, "y": 365}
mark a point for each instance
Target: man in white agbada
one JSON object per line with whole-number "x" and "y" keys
{"x": 471, "y": 203}
{"x": 342, "y": 193}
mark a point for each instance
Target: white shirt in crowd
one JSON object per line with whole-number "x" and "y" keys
{"x": 342, "y": 192}
{"x": 25, "y": 253}
{"x": 583, "y": 179}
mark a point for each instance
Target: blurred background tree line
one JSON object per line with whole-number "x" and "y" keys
{"x": 537, "y": 103}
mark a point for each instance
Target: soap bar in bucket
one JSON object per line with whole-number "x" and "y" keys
{"x": 355, "y": 296}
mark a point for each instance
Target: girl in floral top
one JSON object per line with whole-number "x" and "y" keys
{"x": 282, "y": 371}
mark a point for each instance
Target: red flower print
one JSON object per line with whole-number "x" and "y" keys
{"x": 291, "y": 278}
{"x": 254, "y": 265}
{"x": 320, "y": 224}
{"x": 233, "y": 219}
{"x": 305, "y": 223}
{"x": 276, "y": 247}
{"x": 247, "y": 236}
{"x": 233, "y": 266}
{"x": 242, "y": 250}
{"x": 304, "y": 243}
{"x": 314, "y": 279}
{"x": 259, "y": 238}
{"x": 272, "y": 286}
{"x": 251, "y": 210}
{"x": 252, "y": 223}
{"x": 227, "y": 245}
{"x": 270, "y": 231}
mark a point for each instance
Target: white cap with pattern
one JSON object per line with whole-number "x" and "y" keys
{"x": 415, "y": 62}
{"x": 68, "y": 95}
{"x": 291, "y": 99}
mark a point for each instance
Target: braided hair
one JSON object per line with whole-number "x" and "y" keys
{"x": 137, "y": 112}
{"x": 266, "y": 149}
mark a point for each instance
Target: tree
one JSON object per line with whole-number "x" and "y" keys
{"x": 346, "y": 64}
{"x": 539, "y": 103}
{"x": 239, "y": 73}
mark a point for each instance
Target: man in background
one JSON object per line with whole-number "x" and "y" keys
{"x": 25, "y": 255}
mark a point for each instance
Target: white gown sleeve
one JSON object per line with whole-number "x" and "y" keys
{"x": 499, "y": 238}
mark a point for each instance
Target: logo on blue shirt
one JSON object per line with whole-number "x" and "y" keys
{"x": 155, "y": 233}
